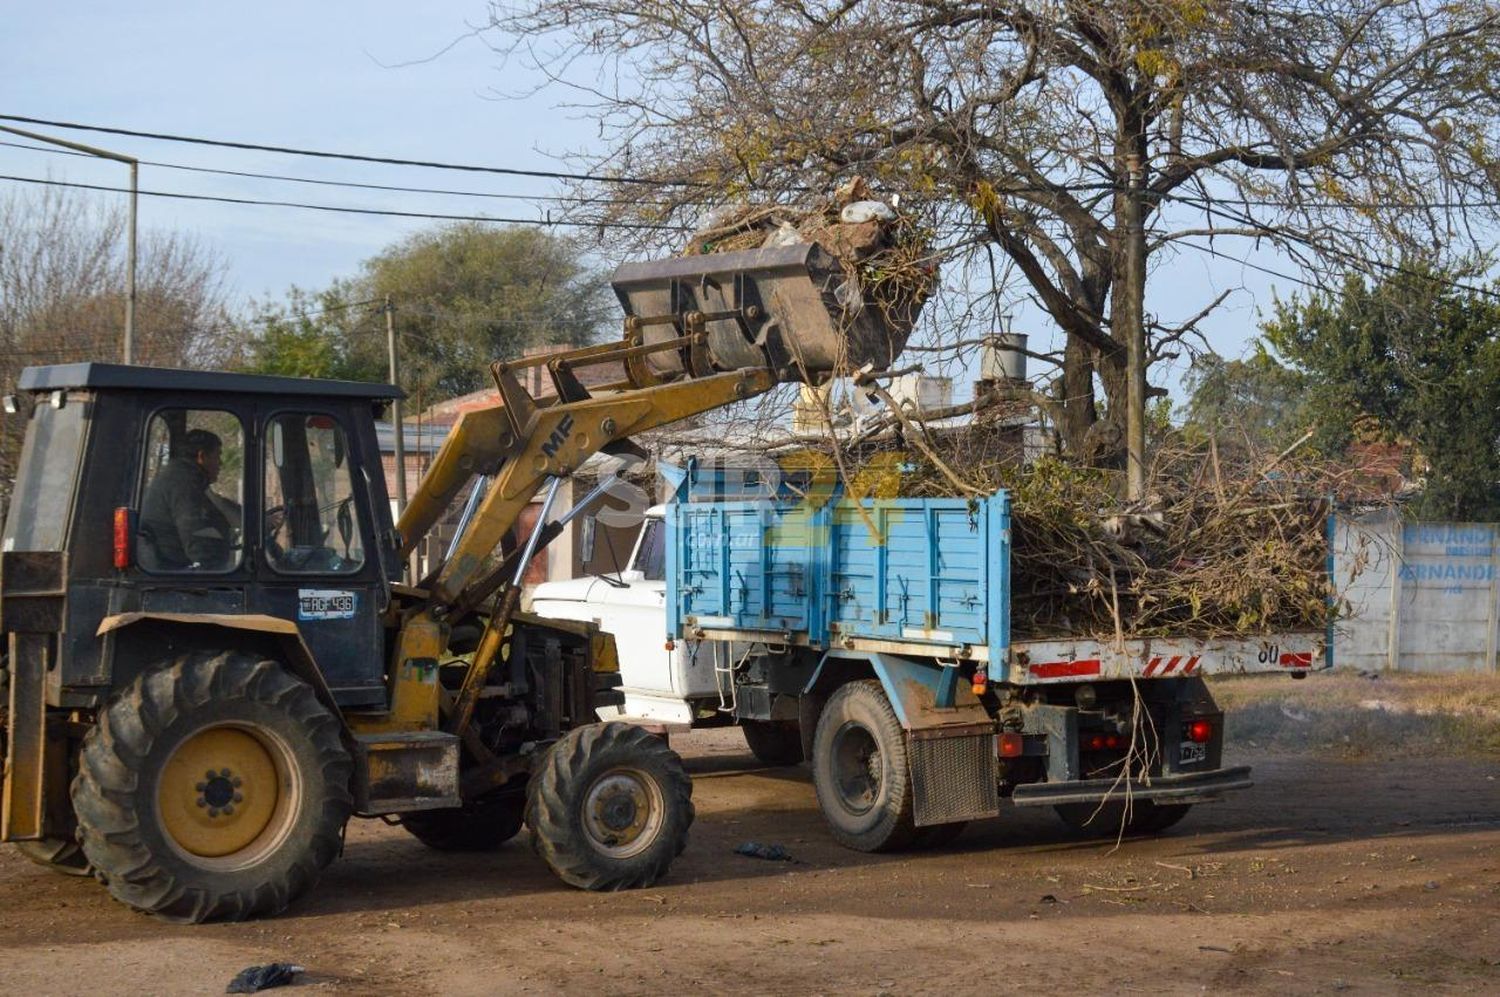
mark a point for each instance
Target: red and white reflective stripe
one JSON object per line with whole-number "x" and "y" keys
{"x": 1065, "y": 669}
{"x": 1301, "y": 660}
{"x": 1166, "y": 666}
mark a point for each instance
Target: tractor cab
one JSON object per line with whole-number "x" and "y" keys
{"x": 147, "y": 492}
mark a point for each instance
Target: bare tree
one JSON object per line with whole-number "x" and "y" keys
{"x": 1085, "y": 142}
{"x": 62, "y": 293}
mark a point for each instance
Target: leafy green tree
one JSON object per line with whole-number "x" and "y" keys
{"x": 1256, "y": 401}
{"x": 309, "y": 336}
{"x": 464, "y": 295}
{"x": 1417, "y": 354}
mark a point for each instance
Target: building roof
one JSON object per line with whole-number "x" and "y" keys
{"x": 127, "y": 377}
{"x": 425, "y": 438}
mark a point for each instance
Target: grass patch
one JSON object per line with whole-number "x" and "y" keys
{"x": 1363, "y": 715}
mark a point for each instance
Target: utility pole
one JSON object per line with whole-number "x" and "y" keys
{"x": 135, "y": 195}
{"x": 396, "y": 418}
{"x": 1132, "y": 294}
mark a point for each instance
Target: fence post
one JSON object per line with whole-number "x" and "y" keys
{"x": 1398, "y": 556}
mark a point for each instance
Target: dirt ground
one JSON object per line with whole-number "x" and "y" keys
{"x": 1330, "y": 875}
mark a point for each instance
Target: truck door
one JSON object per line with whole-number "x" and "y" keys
{"x": 316, "y": 560}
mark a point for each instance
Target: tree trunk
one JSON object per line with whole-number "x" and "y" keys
{"x": 1079, "y": 411}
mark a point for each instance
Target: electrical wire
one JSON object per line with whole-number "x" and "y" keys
{"x": 355, "y": 157}
{"x": 337, "y": 183}
{"x": 388, "y": 213}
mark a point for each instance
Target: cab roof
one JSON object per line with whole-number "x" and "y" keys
{"x": 126, "y": 377}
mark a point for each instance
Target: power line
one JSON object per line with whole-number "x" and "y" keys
{"x": 1349, "y": 259}
{"x": 1101, "y": 187}
{"x": 354, "y": 157}
{"x": 220, "y": 199}
{"x": 337, "y": 183}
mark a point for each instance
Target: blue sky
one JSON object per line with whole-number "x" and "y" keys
{"x": 307, "y": 75}
{"x": 327, "y": 75}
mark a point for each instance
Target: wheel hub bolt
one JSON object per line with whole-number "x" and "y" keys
{"x": 218, "y": 792}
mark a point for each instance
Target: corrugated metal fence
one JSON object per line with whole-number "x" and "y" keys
{"x": 1425, "y": 596}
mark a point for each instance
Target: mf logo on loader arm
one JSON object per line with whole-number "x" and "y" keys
{"x": 558, "y": 436}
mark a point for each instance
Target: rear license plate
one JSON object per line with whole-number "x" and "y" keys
{"x": 1192, "y": 751}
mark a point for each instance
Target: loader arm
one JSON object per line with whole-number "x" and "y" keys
{"x": 523, "y": 443}
{"x": 700, "y": 333}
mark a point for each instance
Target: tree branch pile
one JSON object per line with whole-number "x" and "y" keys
{"x": 1224, "y": 545}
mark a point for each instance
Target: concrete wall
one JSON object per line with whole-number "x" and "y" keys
{"x": 1424, "y": 595}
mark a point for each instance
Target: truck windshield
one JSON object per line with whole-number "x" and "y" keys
{"x": 651, "y": 557}
{"x": 43, "y": 495}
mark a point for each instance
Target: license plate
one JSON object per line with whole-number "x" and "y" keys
{"x": 1192, "y": 751}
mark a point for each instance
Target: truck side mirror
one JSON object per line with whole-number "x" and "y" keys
{"x": 586, "y": 533}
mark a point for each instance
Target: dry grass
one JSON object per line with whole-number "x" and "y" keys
{"x": 1363, "y": 714}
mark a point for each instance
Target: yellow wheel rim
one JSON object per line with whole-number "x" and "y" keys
{"x": 226, "y": 794}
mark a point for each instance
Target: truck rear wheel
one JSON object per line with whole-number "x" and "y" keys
{"x": 482, "y": 826}
{"x": 774, "y": 742}
{"x": 214, "y": 787}
{"x": 609, "y": 807}
{"x": 860, "y": 770}
{"x": 1105, "y": 820}
{"x": 62, "y": 855}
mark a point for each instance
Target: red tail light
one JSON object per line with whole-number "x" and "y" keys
{"x": 1097, "y": 742}
{"x": 1200, "y": 731}
{"x": 1112, "y": 741}
{"x": 1012, "y": 745}
{"x": 122, "y": 537}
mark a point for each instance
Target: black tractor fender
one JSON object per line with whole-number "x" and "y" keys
{"x": 138, "y": 638}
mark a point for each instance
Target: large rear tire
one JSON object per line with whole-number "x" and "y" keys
{"x": 860, "y": 770}
{"x": 773, "y": 742}
{"x": 214, "y": 787}
{"x": 482, "y": 826}
{"x": 62, "y": 855}
{"x": 609, "y": 807}
{"x": 1105, "y": 820}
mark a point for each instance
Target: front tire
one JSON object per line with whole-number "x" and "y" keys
{"x": 860, "y": 770}
{"x": 773, "y": 742}
{"x": 609, "y": 807}
{"x": 214, "y": 787}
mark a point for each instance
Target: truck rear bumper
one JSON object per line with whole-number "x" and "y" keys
{"x": 1192, "y": 787}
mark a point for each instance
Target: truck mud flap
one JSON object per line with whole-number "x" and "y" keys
{"x": 954, "y": 774}
{"x": 1193, "y": 787}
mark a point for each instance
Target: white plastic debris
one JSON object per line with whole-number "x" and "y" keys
{"x": 864, "y": 211}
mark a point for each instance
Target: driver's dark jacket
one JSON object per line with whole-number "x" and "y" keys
{"x": 180, "y": 522}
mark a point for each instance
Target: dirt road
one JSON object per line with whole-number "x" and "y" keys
{"x": 1357, "y": 877}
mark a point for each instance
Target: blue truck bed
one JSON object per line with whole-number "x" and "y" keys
{"x": 917, "y": 575}
{"x": 926, "y": 578}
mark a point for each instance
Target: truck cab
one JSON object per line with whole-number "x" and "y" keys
{"x": 662, "y": 682}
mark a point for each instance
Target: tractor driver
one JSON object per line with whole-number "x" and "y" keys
{"x": 178, "y": 515}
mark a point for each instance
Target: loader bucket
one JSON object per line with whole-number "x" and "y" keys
{"x": 792, "y": 308}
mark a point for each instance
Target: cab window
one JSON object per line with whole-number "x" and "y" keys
{"x": 310, "y": 521}
{"x": 192, "y": 504}
{"x": 651, "y": 555}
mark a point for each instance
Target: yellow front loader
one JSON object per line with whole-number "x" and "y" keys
{"x": 192, "y": 713}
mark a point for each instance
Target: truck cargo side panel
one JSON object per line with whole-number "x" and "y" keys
{"x": 925, "y": 572}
